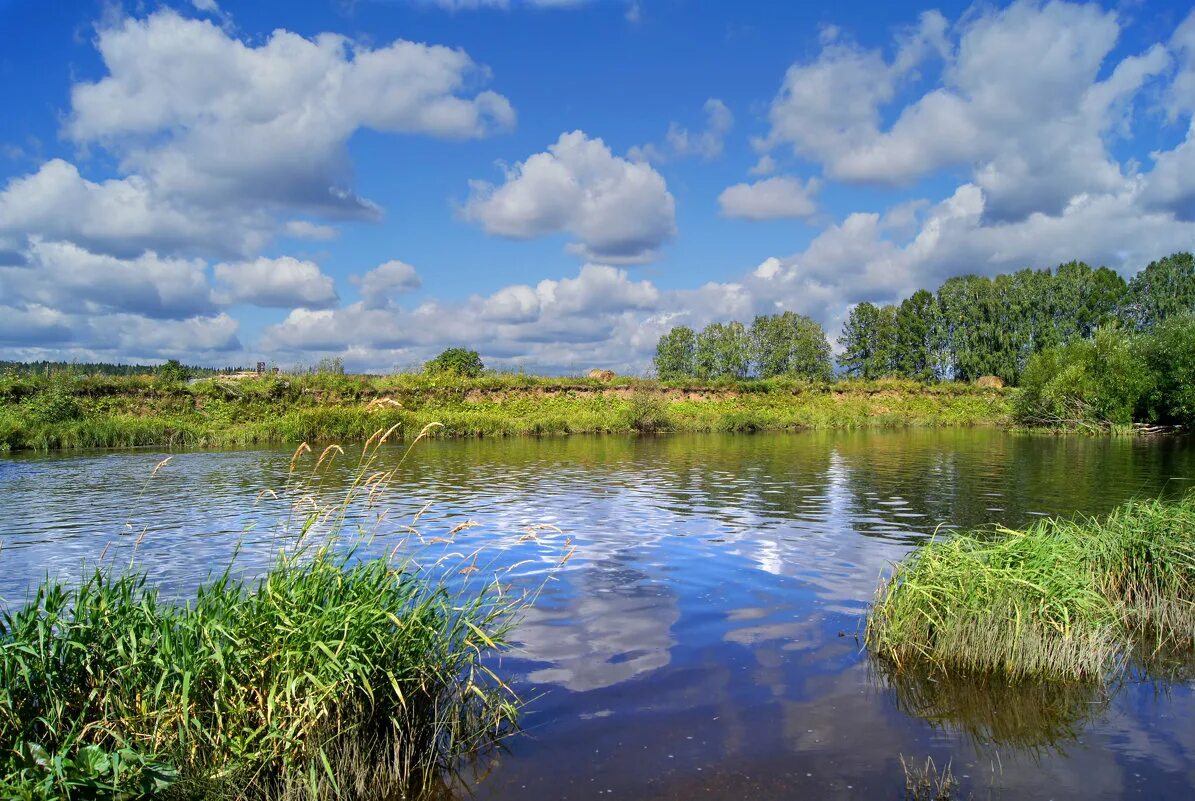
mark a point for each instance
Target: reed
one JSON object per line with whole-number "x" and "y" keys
{"x": 333, "y": 675}
{"x": 1062, "y": 599}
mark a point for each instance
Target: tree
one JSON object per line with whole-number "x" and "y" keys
{"x": 675, "y": 354}
{"x": 917, "y": 336}
{"x": 1163, "y": 289}
{"x": 173, "y": 371}
{"x": 457, "y": 361}
{"x": 869, "y": 341}
{"x": 810, "y": 356}
{"x": 723, "y": 351}
{"x": 1085, "y": 299}
{"x": 789, "y": 344}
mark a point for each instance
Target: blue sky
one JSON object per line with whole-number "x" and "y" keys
{"x": 557, "y": 183}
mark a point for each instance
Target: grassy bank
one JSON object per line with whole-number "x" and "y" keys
{"x": 1065, "y": 599}
{"x": 266, "y": 690}
{"x": 333, "y": 675}
{"x": 103, "y": 411}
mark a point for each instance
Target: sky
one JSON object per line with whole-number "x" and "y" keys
{"x": 556, "y": 183}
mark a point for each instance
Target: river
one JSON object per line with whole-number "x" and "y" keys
{"x": 701, "y": 641}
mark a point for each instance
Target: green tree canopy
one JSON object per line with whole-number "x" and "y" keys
{"x": 723, "y": 350}
{"x": 458, "y": 361}
{"x": 789, "y": 344}
{"x": 918, "y": 331}
{"x": 1163, "y": 289}
{"x": 869, "y": 341}
{"x": 675, "y": 354}
{"x": 173, "y": 371}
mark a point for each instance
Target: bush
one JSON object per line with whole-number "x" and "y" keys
{"x": 173, "y": 372}
{"x": 457, "y": 361}
{"x": 54, "y": 403}
{"x": 648, "y": 412}
{"x": 1103, "y": 382}
{"x": 1170, "y": 355}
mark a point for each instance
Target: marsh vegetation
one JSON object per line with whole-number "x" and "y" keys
{"x": 335, "y": 674}
{"x": 1066, "y": 599}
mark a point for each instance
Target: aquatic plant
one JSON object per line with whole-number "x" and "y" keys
{"x": 926, "y": 782}
{"x": 1063, "y": 599}
{"x": 331, "y": 675}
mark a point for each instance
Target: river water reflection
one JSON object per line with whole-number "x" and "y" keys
{"x": 701, "y": 641}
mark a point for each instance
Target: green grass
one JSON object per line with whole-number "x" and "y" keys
{"x": 330, "y": 676}
{"x": 62, "y": 411}
{"x": 1062, "y": 599}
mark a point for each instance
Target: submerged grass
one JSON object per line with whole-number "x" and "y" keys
{"x": 1062, "y": 599}
{"x": 331, "y": 676}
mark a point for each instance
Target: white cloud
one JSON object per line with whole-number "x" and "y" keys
{"x": 1020, "y": 102}
{"x": 122, "y": 216}
{"x": 283, "y": 282}
{"x": 770, "y": 199}
{"x": 135, "y": 337}
{"x": 680, "y": 142}
{"x": 65, "y": 277}
{"x": 617, "y": 210}
{"x": 305, "y": 229}
{"x": 208, "y": 117}
{"x": 380, "y": 285}
{"x": 33, "y": 325}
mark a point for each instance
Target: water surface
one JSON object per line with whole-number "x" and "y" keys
{"x": 701, "y": 641}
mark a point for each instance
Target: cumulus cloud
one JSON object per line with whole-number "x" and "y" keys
{"x": 617, "y": 210}
{"x": 770, "y": 199}
{"x": 563, "y": 323}
{"x": 1020, "y": 102}
{"x": 121, "y": 216}
{"x": 66, "y": 277}
{"x": 282, "y": 283}
{"x": 204, "y": 115}
{"x": 134, "y": 336}
{"x": 33, "y": 325}
{"x": 383, "y": 283}
{"x": 680, "y": 142}
{"x": 219, "y": 145}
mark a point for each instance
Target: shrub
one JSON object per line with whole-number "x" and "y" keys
{"x": 172, "y": 371}
{"x": 54, "y": 403}
{"x": 457, "y": 361}
{"x": 1170, "y": 355}
{"x": 648, "y": 412}
{"x": 1103, "y": 381}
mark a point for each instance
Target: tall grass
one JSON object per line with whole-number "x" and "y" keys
{"x": 66, "y": 412}
{"x": 331, "y": 676}
{"x": 1066, "y": 599}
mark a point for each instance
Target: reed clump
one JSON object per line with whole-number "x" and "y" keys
{"x": 1061, "y": 599}
{"x": 332, "y": 675}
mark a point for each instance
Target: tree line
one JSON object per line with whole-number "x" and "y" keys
{"x": 787, "y": 344}
{"x": 972, "y": 326}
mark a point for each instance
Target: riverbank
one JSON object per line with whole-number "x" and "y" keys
{"x": 335, "y": 673}
{"x": 1062, "y": 599}
{"x": 101, "y": 412}
{"x": 324, "y": 673}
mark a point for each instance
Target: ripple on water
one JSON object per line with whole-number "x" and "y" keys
{"x": 701, "y": 642}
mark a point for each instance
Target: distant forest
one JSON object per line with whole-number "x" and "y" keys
{"x": 971, "y": 326}
{"x": 102, "y": 368}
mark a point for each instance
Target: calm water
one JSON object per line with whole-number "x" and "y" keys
{"x": 700, "y": 643}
